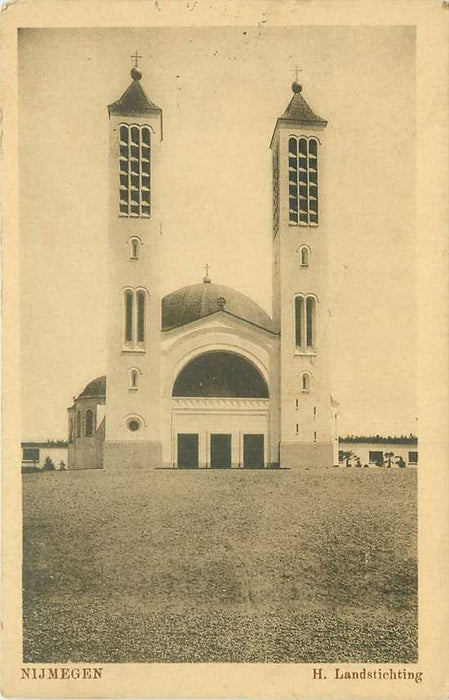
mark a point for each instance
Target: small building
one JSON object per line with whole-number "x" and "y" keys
{"x": 86, "y": 426}
{"x": 379, "y": 451}
{"x": 34, "y": 454}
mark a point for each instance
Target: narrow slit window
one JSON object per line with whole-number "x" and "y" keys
{"x": 140, "y": 317}
{"x": 306, "y": 382}
{"x": 134, "y": 171}
{"x": 304, "y": 257}
{"x": 128, "y": 316}
{"x": 134, "y": 379}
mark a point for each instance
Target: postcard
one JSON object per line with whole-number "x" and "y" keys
{"x": 225, "y": 349}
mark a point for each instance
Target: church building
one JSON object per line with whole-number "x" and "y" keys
{"x": 204, "y": 377}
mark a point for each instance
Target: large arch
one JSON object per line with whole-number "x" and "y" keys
{"x": 219, "y": 373}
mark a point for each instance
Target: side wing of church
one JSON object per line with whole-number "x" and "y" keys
{"x": 205, "y": 378}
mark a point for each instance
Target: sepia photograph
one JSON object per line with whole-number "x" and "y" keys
{"x": 225, "y": 349}
{"x": 219, "y": 427}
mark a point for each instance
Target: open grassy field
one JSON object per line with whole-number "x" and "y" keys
{"x": 220, "y": 565}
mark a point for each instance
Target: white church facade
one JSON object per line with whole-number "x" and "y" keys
{"x": 204, "y": 377}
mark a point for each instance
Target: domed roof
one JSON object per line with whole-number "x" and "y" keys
{"x": 97, "y": 387}
{"x": 200, "y": 300}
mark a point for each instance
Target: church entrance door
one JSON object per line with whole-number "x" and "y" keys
{"x": 220, "y": 451}
{"x": 253, "y": 448}
{"x": 188, "y": 450}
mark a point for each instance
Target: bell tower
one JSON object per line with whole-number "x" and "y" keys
{"x": 300, "y": 285}
{"x": 133, "y": 430}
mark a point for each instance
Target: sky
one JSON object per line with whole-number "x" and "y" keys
{"x": 221, "y": 90}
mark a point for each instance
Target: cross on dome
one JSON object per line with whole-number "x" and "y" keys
{"x": 206, "y": 278}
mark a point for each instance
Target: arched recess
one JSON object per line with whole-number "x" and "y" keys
{"x": 134, "y": 244}
{"x": 196, "y": 343}
{"x": 304, "y": 256}
{"x": 219, "y": 373}
{"x": 134, "y": 375}
{"x": 306, "y": 380}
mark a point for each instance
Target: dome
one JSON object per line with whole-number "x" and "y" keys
{"x": 200, "y": 300}
{"x": 97, "y": 387}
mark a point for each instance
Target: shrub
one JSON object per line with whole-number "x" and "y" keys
{"x": 48, "y": 465}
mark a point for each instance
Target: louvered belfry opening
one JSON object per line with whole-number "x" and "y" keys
{"x": 303, "y": 181}
{"x": 134, "y": 163}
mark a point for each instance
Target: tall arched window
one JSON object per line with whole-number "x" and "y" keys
{"x": 134, "y": 160}
{"x": 305, "y": 309}
{"x": 140, "y": 316}
{"x": 129, "y": 298}
{"x": 78, "y": 424}
{"x": 310, "y": 316}
{"x": 89, "y": 422}
{"x": 304, "y": 256}
{"x": 299, "y": 313}
{"x": 303, "y": 180}
{"x": 71, "y": 430}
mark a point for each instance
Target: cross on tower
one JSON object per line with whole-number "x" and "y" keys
{"x": 207, "y": 267}
{"x": 136, "y": 59}
{"x": 296, "y": 71}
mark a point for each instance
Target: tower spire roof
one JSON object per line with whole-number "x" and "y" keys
{"x": 299, "y": 111}
{"x": 134, "y": 100}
